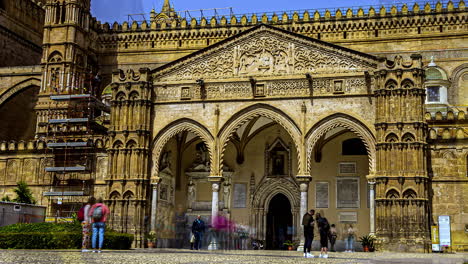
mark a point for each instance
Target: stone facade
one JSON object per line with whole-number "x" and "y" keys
{"x": 231, "y": 116}
{"x": 21, "y": 29}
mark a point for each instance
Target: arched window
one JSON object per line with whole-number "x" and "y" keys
{"x": 436, "y": 84}
{"x": 353, "y": 146}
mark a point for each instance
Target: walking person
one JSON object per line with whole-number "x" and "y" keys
{"x": 198, "y": 227}
{"x": 332, "y": 236}
{"x": 349, "y": 239}
{"x": 308, "y": 224}
{"x": 324, "y": 229}
{"x": 83, "y": 216}
{"x": 98, "y": 214}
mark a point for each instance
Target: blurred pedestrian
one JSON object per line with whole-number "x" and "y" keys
{"x": 98, "y": 214}
{"x": 349, "y": 239}
{"x": 198, "y": 227}
{"x": 332, "y": 236}
{"x": 83, "y": 215}
{"x": 308, "y": 224}
{"x": 324, "y": 229}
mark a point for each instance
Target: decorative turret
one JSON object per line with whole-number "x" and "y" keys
{"x": 401, "y": 176}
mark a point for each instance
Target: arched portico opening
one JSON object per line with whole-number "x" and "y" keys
{"x": 18, "y": 103}
{"x": 341, "y": 157}
{"x": 180, "y": 165}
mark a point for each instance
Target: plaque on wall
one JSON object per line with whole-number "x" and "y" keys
{"x": 240, "y": 195}
{"x": 347, "y": 168}
{"x": 347, "y": 217}
{"x": 185, "y": 93}
{"x": 347, "y": 192}
{"x": 321, "y": 195}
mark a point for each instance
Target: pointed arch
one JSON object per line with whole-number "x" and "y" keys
{"x": 251, "y": 112}
{"x": 173, "y": 129}
{"x": 55, "y": 57}
{"x": 128, "y": 195}
{"x": 410, "y": 194}
{"x": 19, "y": 87}
{"x": 392, "y": 193}
{"x": 345, "y": 121}
{"x": 391, "y": 138}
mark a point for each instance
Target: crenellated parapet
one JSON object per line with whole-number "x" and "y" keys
{"x": 447, "y": 126}
{"x": 330, "y": 25}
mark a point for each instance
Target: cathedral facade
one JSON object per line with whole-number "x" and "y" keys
{"x": 357, "y": 113}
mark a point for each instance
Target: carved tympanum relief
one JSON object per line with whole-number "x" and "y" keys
{"x": 266, "y": 51}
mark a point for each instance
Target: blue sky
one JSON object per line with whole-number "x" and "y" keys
{"x": 117, "y": 10}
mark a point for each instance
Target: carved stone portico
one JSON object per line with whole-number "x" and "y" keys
{"x": 247, "y": 117}
{"x": 266, "y": 190}
{"x": 297, "y": 79}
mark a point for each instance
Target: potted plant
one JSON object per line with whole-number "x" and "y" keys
{"x": 151, "y": 237}
{"x": 367, "y": 242}
{"x": 289, "y": 244}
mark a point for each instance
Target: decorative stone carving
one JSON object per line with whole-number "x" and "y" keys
{"x": 202, "y": 160}
{"x": 266, "y": 51}
{"x": 215, "y": 187}
{"x": 290, "y": 88}
{"x": 227, "y": 194}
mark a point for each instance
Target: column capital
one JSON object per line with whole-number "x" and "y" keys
{"x": 215, "y": 186}
{"x": 155, "y": 181}
{"x": 371, "y": 179}
{"x": 304, "y": 178}
{"x": 215, "y": 178}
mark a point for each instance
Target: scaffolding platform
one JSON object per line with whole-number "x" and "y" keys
{"x": 69, "y": 145}
{"x": 66, "y": 169}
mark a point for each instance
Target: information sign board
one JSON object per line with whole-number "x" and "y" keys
{"x": 444, "y": 230}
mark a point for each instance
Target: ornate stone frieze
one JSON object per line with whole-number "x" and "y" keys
{"x": 284, "y": 88}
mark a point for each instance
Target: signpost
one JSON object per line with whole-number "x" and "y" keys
{"x": 444, "y": 231}
{"x": 435, "y": 238}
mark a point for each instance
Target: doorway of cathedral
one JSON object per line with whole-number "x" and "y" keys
{"x": 279, "y": 222}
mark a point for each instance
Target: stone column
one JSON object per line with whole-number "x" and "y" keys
{"x": 304, "y": 188}
{"x": 214, "y": 213}
{"x": 372, "y": 207}
{"x": 154, "y": 206}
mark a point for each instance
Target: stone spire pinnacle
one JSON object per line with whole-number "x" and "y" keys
{"x": 166, "y": 7}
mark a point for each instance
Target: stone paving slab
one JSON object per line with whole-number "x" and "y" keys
{"x": 203, "y": 256}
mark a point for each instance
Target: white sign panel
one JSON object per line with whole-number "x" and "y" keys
{"x": 444, "y": 230}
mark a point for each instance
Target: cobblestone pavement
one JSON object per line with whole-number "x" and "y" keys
{"x": 187, "y": 256}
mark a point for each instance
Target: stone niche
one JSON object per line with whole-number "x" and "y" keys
{"x": 278, "y": 159}
{"x": 199, "y": 193}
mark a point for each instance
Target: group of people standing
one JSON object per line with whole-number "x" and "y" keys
{"x": 327, "y": 232}
{"x": 93, "y": 216}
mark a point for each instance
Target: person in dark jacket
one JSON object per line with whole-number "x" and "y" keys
{"x": 308, "y": 223}
{"x": 324, "y": 229}
{"x": 198, "y": 227}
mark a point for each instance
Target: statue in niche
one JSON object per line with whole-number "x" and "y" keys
{"x": 165, "y": 163}
{"x": 226, "y": 194}
{"x": 202, "y": 159}
{"x": 191, "y": 195}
